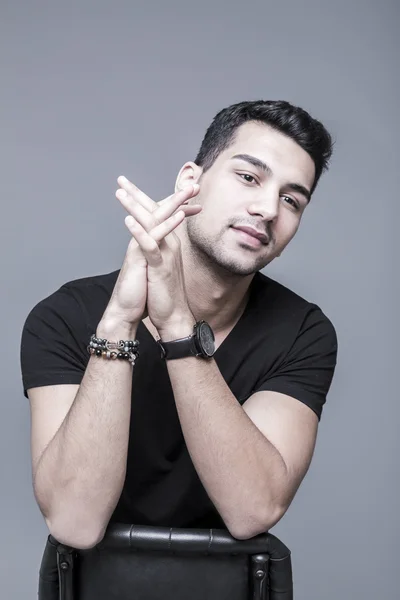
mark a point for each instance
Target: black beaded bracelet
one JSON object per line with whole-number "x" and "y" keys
{"x": 127, "y": 350}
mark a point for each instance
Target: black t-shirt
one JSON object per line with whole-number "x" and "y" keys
{"x": 281, "y": 343}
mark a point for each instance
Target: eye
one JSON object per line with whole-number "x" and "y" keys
{"x": 294, "y": 203}
{"x": 247, "y": 177}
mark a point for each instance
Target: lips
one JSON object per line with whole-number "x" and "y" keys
{"x": 254, "y": 233}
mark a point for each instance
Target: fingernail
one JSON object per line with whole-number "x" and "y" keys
{"x": 121, "y": 193}
{"x": 196, "y": 187}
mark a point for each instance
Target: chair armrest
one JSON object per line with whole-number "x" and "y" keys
{"x": 211, "y": 541}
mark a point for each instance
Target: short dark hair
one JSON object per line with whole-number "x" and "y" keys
{"x": 290, "y": 120}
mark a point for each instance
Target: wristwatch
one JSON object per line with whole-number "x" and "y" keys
{"x": 199, "y": 343}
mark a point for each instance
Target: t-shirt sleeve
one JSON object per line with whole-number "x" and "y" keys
{"x": 307, "y": 371}
{"x": 54, "y": 341}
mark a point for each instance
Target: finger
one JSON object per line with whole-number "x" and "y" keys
{"x": 145, "y": 200}
{"x": 149, "y": 243}
{"x": 188, "y": 209}
{"x": 137, "y": 207}
{"x": 147, "y": 220}
{"x": 136, "y": 193}
{"x": 148, "y": 203}
{"x": 175, "y": 201}
{"x": 143, "y": 216}
{"x": 161, "y": 231}
{"x": 191, "y": 210}
{"x": 195, "y": 190}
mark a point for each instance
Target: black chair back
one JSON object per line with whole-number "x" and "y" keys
{"x": 154, "y": 563}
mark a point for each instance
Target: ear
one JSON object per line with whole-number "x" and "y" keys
{"x": 190, "y": 173}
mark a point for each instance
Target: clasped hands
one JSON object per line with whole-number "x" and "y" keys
{"x": 151, "y": 224}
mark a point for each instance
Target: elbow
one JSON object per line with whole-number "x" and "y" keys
{"x": 248, "y": 527}
{"x": 74, "y": 537}
{"x": 72, "y": 529}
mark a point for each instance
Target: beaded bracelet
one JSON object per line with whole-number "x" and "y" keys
{"x": 127, "y": 350}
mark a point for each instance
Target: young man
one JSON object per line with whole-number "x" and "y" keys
{"x": 216, "y": 429}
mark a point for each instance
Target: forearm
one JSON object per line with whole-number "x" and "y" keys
{"x": 81, "y": 473}
{"x": 241, "y": 470}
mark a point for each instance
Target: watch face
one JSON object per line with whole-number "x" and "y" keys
{"x": 206, "y": 338}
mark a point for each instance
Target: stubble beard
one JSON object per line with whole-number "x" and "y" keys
{"x": 213, "y": 255}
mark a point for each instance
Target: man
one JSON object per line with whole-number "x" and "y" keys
{"x": 214, "y": 431}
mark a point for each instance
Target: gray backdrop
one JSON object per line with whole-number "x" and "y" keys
{"x": 92, "y": 90}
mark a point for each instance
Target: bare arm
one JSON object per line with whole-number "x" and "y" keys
{"x": 251, "y": 459}
{"x": 79, "y": 474}
{"x": 79, "y": 477}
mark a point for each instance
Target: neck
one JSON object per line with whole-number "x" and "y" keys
{"x": 213, "y": 294}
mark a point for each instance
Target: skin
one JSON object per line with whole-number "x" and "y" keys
{"x": 234, "y": 192}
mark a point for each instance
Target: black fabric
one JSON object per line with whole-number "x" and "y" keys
{"x": 281, "y": 343}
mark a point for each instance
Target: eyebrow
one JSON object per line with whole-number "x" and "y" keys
{"x": 256, "y": 162}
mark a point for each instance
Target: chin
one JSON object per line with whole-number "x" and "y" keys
{"x": 241, "y": 268}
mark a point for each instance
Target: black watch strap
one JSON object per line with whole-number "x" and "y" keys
{"x": 200, "y": 343}
{"x": 178, "y": 348}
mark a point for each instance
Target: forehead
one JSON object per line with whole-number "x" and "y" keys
{"x": 282, "y": 154}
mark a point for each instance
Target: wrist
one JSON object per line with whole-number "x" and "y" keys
{"x": 177, "y": 329}
{"x": 113, "y": 329}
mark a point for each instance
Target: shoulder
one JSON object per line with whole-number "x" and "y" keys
{"x": 102, "y": 284}
{"x": 82, "y": 290}
{"x": 57, "y": 330}
{"x": 77, "y": 301}
{"x": 292, "y": 311}
{"x": 300, "y": 343}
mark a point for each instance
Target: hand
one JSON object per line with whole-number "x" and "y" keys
{"x": 167, "y": 302}
{"x": 128, "y": 300}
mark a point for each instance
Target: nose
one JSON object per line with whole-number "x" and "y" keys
{"x": 266, "y": 204}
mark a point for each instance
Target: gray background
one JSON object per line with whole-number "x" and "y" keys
{"x": 92, "y": 90}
